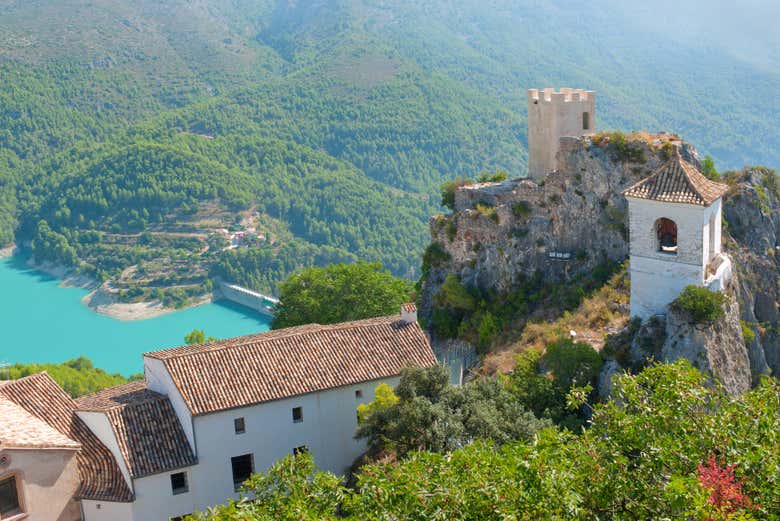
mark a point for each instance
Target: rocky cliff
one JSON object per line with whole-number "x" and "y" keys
{"x": 752, "y": 215}
{"x": 574, "y": 220}
{"x": 566, "y": 224}
{"x": 717, "y": 349}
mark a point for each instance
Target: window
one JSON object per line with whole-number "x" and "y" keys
{"x": 180, "y": 518}
{"x": 239, "y": 425}
{"x": 297, "y": 414}
{"x": 303, "y": 449}
{"x": 179, "y": 483}
{"x": 243, "y": 466}
{"x": 585, "y": 121}
{"x": 358, "y": 394}
{"x": 9, "y": 498}
{"x": 666, "y": 234}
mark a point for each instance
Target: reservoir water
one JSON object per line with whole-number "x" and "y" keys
{"x": 43, "y": 322}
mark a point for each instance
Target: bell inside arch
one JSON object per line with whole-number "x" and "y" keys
{"x": 667, "y": 235}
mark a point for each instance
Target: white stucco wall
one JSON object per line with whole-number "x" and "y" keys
{"x": 98, "y": 423}
{"x": 657, "y": 278}
{"x": 712, "y": 242}
{"x": 656, "y": 283}
{"x": 158, "y": 379}
{"x": 690, "y": 220}
{"x": 106, "y": 511}
{"x": 328, "y": 429}
{"x": 154, "y": 498}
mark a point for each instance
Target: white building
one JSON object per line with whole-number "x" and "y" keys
{"x": 675, "y": 236}
{"x": 209, "y": 415}
{"x": 551, "y": 116}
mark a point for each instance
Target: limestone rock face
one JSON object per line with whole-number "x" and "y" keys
{"x": 717, "y": 349}
{"x": 609, "y": 370}
{"x": 574, "y": 219}
{"x": 752, "y": 211}
{"x": 565, "y": 224}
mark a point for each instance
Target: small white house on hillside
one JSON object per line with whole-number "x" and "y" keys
{"x": 207, "y": 416}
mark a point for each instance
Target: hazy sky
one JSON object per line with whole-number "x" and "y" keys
{"x": 745, "y": 28}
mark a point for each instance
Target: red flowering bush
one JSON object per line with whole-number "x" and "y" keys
{"x": 726, "y": 496}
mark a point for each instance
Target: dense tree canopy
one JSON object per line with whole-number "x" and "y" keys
{"x": 669, "y": 445}
{"x": 77, "y": 377}
{"x": 339, "y": 293}
{"x": 429, "y": 414}
{"x": 335, "y": 132}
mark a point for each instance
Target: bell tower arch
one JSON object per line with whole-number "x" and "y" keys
{"x": 674, "y": 227}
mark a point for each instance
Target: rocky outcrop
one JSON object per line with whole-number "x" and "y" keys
{"x": 566, "y": 224}
{"x": 752, "y": 214}
{"x": 717, "y": 349}
{"x": 575, "y": 219}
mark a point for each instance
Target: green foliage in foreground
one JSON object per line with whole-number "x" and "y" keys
{"x": 429, "y": 414}
{"x": 701, "y": 304}
{"x": 77, "y": 377}
{"x": 649, "y": 454}
{"x": 339, "y": 293}
{"x": 542, "y": 382}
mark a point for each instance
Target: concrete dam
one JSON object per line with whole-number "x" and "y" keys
{"x": 246, "y": 297}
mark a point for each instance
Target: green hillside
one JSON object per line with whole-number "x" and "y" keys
{"x": 131, "y": 133}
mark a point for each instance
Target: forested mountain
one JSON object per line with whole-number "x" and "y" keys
{"x": 131, "y": 132}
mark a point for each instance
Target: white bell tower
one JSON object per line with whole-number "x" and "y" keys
{"x": 675, "y": 236}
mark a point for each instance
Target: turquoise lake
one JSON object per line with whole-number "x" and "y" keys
{"x": 43, "y": 322}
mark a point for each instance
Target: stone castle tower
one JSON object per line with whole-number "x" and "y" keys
{"x": 675, "y": 236}
{"x": 552, "y": 115}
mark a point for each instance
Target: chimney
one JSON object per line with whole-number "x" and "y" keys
{"x": 409, "y": 313}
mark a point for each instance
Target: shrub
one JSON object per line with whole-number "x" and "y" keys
{"x": 622, "y": 149}
{"x": 496, "y": 177}
{"x": 771, "y": 181}
{"x": 453, "y": 294}
{"x": 435, "y": 255}
{"x": 701, "y": 304}
{"x": 625, "y": 150}
{"x": 667, "y": 150}
{"x": 763, "y": 199}
{"x": 445, "y": 323}
{"x": 572, "y": 363}
{"x": 521, "y": 209}
{"x": 488, "y": 211}
{"x": 426, "y": 413}
{"x": 452, "y": 230}
{"x": 708, "y": 169}
{"x": 747, "y": 332}
{"x": 448, "y": 191}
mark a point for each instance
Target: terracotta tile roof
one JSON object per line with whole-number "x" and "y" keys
{"x": 41, "y": 397}
{"x": 289, "y": 362}
{"x": 409, "y": 308}
{"x": 677, "y": 181}
{"x": 21, "y": 430}
{"x": 146, "y": 427}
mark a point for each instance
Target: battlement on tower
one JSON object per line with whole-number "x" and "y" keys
{"x": 565, "y": 95}
{"x": 552, "y": 115}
